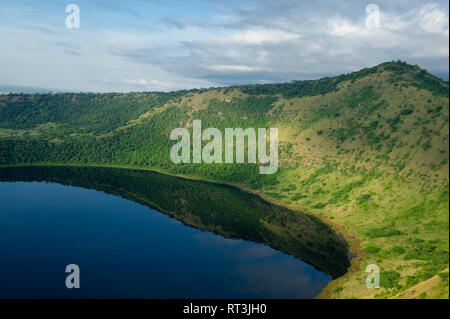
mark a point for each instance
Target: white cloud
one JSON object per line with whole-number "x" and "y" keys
{"x": 239, "y": 68}
{"x": 137, "y": 81}
{"x": 260, "y": 36}
{"x": 292, "y": 48}
{"x": 265, "y": 41}
{"x": 434, "y": 19}
{"x": 341, "y": 27}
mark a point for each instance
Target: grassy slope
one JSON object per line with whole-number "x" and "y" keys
{"x": 367, "y": 152}
{"x": 434, "y": 288}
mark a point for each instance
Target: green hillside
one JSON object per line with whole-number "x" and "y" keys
{"x": 367, "y": 152}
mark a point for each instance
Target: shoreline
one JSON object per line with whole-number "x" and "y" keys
{"x": 350, "y": 238}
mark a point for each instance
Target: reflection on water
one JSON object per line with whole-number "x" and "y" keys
{"x": 263, "y": 270}
{"x": 126, "y": 250}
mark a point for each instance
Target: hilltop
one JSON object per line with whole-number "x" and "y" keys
{"x": 366, "y": 151}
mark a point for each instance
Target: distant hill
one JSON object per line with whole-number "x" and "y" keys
{"x": 23, "y": 89}
{"x": 366, "y": 151}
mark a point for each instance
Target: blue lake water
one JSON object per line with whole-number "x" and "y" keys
{"x": 127, "y": 250}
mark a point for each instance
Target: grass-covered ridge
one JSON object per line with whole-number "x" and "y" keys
{"x": 367, "y": 151}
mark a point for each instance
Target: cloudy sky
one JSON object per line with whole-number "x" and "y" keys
{"x": 166, "y": 45}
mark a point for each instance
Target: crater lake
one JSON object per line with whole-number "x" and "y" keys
{"x": 141, "y": 234}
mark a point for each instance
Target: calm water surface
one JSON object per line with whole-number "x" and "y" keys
{"x": 127, "y": 250}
